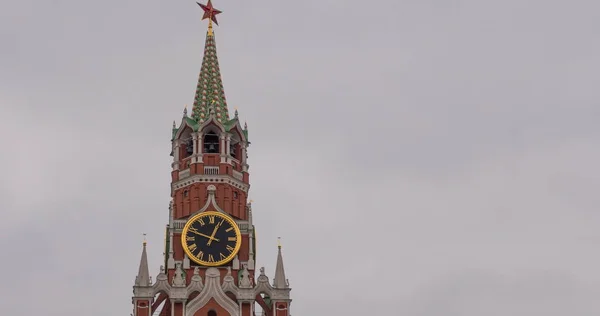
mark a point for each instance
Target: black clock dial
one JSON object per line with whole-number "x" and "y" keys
{"x": 211, "y": 238}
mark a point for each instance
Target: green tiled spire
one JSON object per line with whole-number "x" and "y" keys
{"x": 209, "y": 92}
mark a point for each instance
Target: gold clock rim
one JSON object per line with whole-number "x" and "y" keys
{"x": 230, "y": 220}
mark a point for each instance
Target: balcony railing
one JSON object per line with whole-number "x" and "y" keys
{"x": 211, "y": 170}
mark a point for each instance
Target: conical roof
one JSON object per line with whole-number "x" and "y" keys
{"x": 209, "y": 90}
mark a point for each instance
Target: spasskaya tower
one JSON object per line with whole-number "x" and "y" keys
{"x": 210, "y": 246}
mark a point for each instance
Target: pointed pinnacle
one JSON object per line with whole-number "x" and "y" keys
{"x": 185, "y": 110}
{"x": 143, "y": 276}
{"x": 279, "y": 281}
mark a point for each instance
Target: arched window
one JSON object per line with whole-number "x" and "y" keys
{"x": 233, "y": 149}
{"x": 211, "y": 313}
{"x": 186, "y": 147}
{"x": 189, "y": 147}
{"x": 234, "y": 146}
{"x": 211, "y": 143}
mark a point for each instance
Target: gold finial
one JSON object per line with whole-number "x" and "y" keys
{"x": 210, "y": 28}
{"x": 279, "y": 242}
{"x": 251, "y": 201}
{"x": 144, "y": 239}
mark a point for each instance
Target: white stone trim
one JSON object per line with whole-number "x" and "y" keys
{"x": 238, "y": 175}
{"x": 182, "y": 127}
{"x": 212, "y": 289}
{"x": 184, "y": 173}
{"x": 211, "y": 120}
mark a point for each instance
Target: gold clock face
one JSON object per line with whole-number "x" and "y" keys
{"x": 211, "y": 238}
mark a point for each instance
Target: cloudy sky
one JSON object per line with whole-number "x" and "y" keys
{"x": 417, "y": 157}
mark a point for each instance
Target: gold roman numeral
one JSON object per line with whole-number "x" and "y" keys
{"x": 201, "y": 221}
{"x": 211, "y": 219}
{"x": 222, "y": 256}
{"x": 192, "y": 247}
{"x": 194, "y": 230}
{"x": 234, "y": 238}
{"x": 229, "y": 229}
{"x": 200, "y": 255}
{"x": 228, "y": 247}
{"x": 210, "y": 258}
{"x": 190, "y": 238}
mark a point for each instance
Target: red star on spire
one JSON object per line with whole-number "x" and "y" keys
{"x": 209, "y": 11}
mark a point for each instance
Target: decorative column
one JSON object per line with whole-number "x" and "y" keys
{"x": 250, "y": 239}
{"x": 228, "y": 145}
{"x": 176, "y": 155}
{"x": 222, "y": 151}
{"x": 244, "y": 147}
{"x": 223, "y": 144}
{"x": 195, "y": 146}
{"x": 200, "y": 147}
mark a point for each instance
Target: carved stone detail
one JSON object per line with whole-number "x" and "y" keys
{"x": 212, "y": 289}
{"x": 229, "y": 284}
{"x": 196, "y": 283}
{"x": 244, "y": 278}
{"x": 179, "y": 277}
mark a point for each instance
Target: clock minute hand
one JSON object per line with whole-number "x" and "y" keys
{"x": 203, "y": 235}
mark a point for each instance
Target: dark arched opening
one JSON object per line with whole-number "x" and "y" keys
{"x": 211, "y": 143}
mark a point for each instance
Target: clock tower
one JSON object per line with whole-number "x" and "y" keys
{"x": 210, "y": 246}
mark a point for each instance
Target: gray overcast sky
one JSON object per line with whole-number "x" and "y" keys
{"x": 418, "y": 157}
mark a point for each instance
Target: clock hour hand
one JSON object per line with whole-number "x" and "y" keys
{"x": 212, "y": 237}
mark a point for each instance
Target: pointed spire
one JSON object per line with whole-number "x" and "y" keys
{"x": 279, "y": 282}
{"x": 185, "y": 111}
{"x": 143, "y": 277}
{"x": 210, "y": 86}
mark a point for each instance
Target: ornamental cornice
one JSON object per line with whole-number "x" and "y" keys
{"x": 212, "y": 179}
